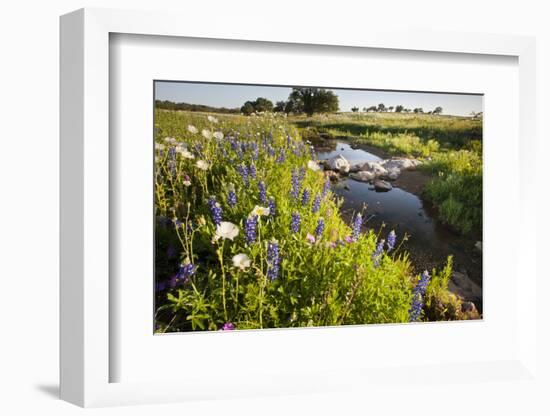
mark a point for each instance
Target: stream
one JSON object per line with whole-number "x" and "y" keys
{"x": 429, "y": 242}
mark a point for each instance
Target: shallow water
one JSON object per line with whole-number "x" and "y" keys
{"x": 429, "y": 243}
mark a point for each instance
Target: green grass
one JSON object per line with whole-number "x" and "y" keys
{"x": 450, "y": 147}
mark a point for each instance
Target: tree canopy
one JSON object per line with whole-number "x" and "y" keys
{"x": 312, "y": 100}
{"x": 259, "y": 105}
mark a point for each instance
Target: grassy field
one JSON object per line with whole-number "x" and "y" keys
{"x": 450, "y": 146}
{"x": 249, "y": 235}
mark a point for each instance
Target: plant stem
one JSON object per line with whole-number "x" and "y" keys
{"x": 220, "y": 257}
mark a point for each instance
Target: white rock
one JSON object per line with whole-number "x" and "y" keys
{"x": 339, "y": 163}
{"x": 393, "y": 173}
{"x": 376, "y": 168}
{"x": 362, "y": 176}
{"x": 382, "y": 186}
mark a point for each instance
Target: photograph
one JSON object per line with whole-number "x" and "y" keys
{"x": 312, "y": 206}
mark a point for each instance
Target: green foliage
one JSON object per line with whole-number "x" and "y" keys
{"x": 323, "y": 282}
{"x": 259, "y": 105}
{"x": 440, "y": 304}
{"x": 312, "y": 100}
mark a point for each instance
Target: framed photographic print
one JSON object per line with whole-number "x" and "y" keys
{"x": 289, "y": 214}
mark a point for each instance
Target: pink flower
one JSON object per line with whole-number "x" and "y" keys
{"x": 310, "y": 238}
{"x": 348, "y": 239}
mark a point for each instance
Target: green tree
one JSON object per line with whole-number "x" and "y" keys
{"x": 263, "y": 104}
{"x": 279, "y": 107}
{"x": 438, "y": 110}
{"x": 312, "y": 100}
{"x": 247, "y": 108}
{"x": 399, "y": 108}
{"x": 381, "y": 107}
{"x": 418, "y": 110}
{"x": 355, "y": 109}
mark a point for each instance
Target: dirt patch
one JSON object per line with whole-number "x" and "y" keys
{"x": 413, "y": 181}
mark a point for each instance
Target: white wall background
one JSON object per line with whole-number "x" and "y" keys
{"x": 29, "y": 188}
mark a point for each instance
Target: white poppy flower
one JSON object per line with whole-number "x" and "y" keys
{"x": 185, "y": 153}
{"x": 260, "y": 211}
{"x": 201, "y": 164}
{"x": 192, "y": 129}
{"x": 218, "y": 135}
{"x": 212, "y": 119}
{"x": 170, "y": 140}
{"x": 226, "y": 230}
{"x": 207, "y": 134}
{"x": 187, "y": 182}
{"x": 313, "y": 166}
{"x": 159, "y": 146}
{"x": 241, "y": 261}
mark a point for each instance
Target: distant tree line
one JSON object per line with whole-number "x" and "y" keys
{"x": 381, "y": 108}
{"x": 169, "y": 105}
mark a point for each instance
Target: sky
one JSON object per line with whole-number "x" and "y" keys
{"x": 235, "y": 95}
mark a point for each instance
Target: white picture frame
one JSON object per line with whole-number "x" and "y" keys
{"x": 85, "y": 212}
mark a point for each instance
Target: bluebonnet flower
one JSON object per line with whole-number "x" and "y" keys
{"x": 272, "y": 207}
{"x": 282, "y": 156}
{"x": 320, "y": 227}
{"x": 326, "y": 186}
{"x": 302, "y": 173}
{"x": 270, "y": 150}
{"x": 198, "y": 148}
{"x": 295, "y": 182}
{"x": 418, "y": 297}
{"x": 187, "y": 269}
{"x": 215, "y": 210}
{"x": 305, "y": 197}
{"x": 172, "y": 153}
{"x": 356, "y": 229}
{"x": 295, "y": 222}
{"x": 262, "y": 191}
{"x": 172, "y": 167}
{"x": 231, "y": 198}
{"x": 391, "y": 240}
{"x": 316, "y": 204}
{"x": 378, "y": 252}
{"x": 250, "y": 225}
{"x": 273, "y": 259}
{"x": 255, "y": 150}
{"x": 228, "y": 326}
{"x": 252, "y": 170}
{"x": 243, "y": 171}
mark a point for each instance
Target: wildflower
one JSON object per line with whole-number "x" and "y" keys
{"x": 170, "y": 140}
{"x": 260, "y": 211}
{"x": 172, "y": 153}
{"x": 273, "y": 260}
{"x": 326, "y": 186}
{"x": 356, "y": 228}
{"x": 228, "y": 326}
{"x": 241, "y": 261}
{"x": 391, "y": 240}
{"x": 226, "y": 230}
{"x": 262, "y": 190}
{"x": 159, "y": 146}
{"x": 310, "y": 238}
{"x": 186, "y": 154}
{"x": 201, "y": 164}
{"x": 305, "y": 197}
{"x": 212, "y": 119}
{"x": 186, "y": 181}
{"x": 243, "y": 171}
{"x": 295, "y": 183}
{"x": 295, "y": 222}
{"x": 418, "y": 297}
{"x": 187, "y": 269}
{"x": 320, "y": 227}
{"x": 250, "y": 225}
{"x": 207, "y": 134}
{"x": 252, "y": 170}
{"x": 192, "y": 129}
{"x": 218, "y": 135}
{"x": 316, "y": 204}
{"x": 231, "y": 198}
{"x": 201, "y": 220}
{"x": 282, "y": 156}
{"x": 378, "y": 252}
{"x": 215, "y": 210}
{"x": 313, "y": 166}
{"x": 272, "y": 207}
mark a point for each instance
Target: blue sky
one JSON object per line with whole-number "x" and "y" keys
{"x": 232, "y": 95}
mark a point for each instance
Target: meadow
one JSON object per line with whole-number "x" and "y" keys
{"x": 450, "y": 146}
{"x": 249, "y": 234}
